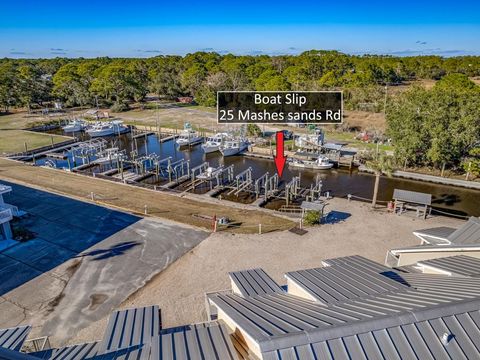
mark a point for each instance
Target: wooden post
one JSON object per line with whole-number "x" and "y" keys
{"x": 26, "y": 148}
{"x": 259, "y": 229}
{"x": 145, "y": 209}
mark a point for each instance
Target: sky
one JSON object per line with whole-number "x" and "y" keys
{"x": 45, "y": 29}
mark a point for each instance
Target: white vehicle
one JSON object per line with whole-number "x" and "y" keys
{"x": 75, "y": 125}
{"x": 188, "y": 136}
{"x": 233, "y": 147}
{"x": 321, "y": 163}
{"x": 213, "y": 143}
{"x": 107, "y": 128}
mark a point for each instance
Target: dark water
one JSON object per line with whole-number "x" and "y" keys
{"x": 338, "y": 181}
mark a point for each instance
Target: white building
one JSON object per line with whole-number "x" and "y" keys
{"x": 6, "y": 214}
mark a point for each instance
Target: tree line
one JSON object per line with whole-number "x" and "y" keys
{"x": 429, "y": 127}
{"x": 438, "y": 127}
{"x": 117, "y": 82}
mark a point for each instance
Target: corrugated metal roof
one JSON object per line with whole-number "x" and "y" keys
{"x": 91, "y": 351}
{"x": 13, "y": 338}
{"x": 459, "y": 265}
{"x": 340, "y": 282}
{"x": 468, "y": 233}
{"x": 444, "y": 285}
{"x": 360, "y": 262}
{"x": 435, "y": 235}
{"x": 75, "y": 352}
{"x": 254, "y": 282}
{"x": 131, "y": 327}
{"x": 269, "y": 318}
{"x": 209, "y": 341}
{"x": 420, "y": 340}
{"x": 412, "y": 196}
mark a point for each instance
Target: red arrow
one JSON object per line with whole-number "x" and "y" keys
{"x": 279, "y": 157}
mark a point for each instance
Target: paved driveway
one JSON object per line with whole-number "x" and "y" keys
{"x": 83, "y": 262}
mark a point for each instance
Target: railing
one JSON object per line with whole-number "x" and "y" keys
{"x": 5, "y": 215}
{"x": 38, "y": 344}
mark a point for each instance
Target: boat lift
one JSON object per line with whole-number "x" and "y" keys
{"x": 88, "y": 149}
{"x": 243, "y": 182}
{"x": 315, "y": 190}
{"x": 269, "y": 185}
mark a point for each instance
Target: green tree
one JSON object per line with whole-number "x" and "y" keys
{"x": 380, "y": 164}
{"x": 8, "y": 96}
{"x": 471, "y": 163}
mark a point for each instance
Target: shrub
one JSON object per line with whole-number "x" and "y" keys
{"x": 119, "y": 107}
{"x": 311, "y": 217}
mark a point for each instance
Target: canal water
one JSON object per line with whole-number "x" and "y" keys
{"x": 339, "y": 182}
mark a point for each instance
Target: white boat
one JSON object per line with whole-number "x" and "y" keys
{"x": 188, "y": 136}
{"x": 321, "y": 163}
{"x": 75, "y": 125}
{"x": 109, "y": 155}
{"x": 210, "y": 173}
{"x": 213, "y": 143}
{"x": 233, "y": 147}
{"x": 107, "y": 128}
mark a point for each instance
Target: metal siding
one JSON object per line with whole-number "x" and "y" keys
{"x": 13, "y": 338}
{"x": 354, "y": 348}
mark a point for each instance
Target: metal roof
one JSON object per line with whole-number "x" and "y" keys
{"x": 280, "y": 320}
{"x": 340, "y": 282}
{"x": 468, "y": 233}
{"x": 13, "y": 338}
{"x": 254, "y": 282}
{"x": 412, "y": 196}
{"x": 420, "y": 340}
{"x": 131, "y": 327}
{"x": 435, "y": 235}
{"x": 360, "y": 262}
{"x": 444, "y": 285}
{"x": 313, "y": 205}
{"x": 75, "y": 352}
{"x": 209, "y": 341}
{"x": 459, "y": 265}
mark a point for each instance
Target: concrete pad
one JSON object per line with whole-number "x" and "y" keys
{"x": 85, "y": 261}
{"x": 34, "y": 294}
{"x": 39, "y": 254}
{"x": 10, "y": 315}
{"x": 115, "y": 268}
{"x": 14, "y": 273}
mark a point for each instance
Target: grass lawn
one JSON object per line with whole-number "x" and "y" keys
{"x": 133, "y": 199}
{"x": 13, "y": 138}
{"x": 13, "y": 141}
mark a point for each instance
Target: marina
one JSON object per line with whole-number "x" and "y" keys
{"x": 149, "y": 159}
